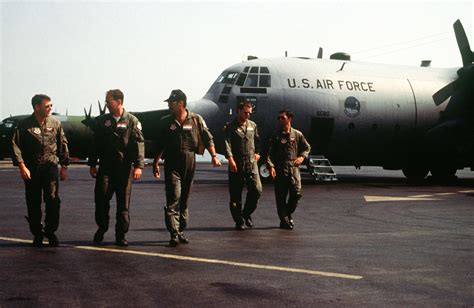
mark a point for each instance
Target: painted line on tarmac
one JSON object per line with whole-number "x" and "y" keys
{"x": 387, "y": 199}
{"x": 203, "y": 260}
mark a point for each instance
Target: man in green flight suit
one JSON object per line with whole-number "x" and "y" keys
{"x": 287, "y": 150}
{"x": 39, "y": 144}
{"x": 119, "y": 149}
{"x": 242, "y": 144}
{"x": 179, "y": 139}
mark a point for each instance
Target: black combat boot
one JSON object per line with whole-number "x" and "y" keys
{"x": 174, "y": 241}
{"x": 52, "y": 239}
{"x": 285, "y": 224}
{"x": 183, "y": 239}
{"x": 38, "y": 240}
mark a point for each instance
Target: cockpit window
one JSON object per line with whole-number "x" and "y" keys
{"x": 252, "y": 81}
{"x": 228, "y": 77}
{"x": 265, "y": 81}
{"x": 259, "y": 77}
{"x": 8, "y": 123}
{"x": 241, "y": 79}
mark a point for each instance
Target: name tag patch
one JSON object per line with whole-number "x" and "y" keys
{"x": 187, "y": 127}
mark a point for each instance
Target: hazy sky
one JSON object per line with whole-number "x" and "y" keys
{"x": 76, "y": 51}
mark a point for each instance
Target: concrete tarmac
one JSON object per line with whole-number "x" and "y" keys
{"x": 369, "y": 239}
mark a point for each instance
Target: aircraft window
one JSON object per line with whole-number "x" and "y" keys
{"x": 264, "y": 70}
{"x": 223, "y": 98}
{"x": 228, "y": 77}
{"x": 254, "y": 70}
{"x": 265, "y": 81}
{"x": 226, "y": 90}
{"x": 241, "y": 79}
{"x": 252, "y": 81}
{"x": 246, "y": 69}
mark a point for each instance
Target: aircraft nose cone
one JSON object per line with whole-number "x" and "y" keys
{"x": 204, "y": 107}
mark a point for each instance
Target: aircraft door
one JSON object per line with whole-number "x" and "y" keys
{"x": 320, "y": 135}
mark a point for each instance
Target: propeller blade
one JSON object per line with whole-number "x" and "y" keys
{"x": 102, "y": 110}
{"x": 320, "y": 53}
{"x": 90, "y": 111}
{"x": 444, "y": 93}
{"x": 85, "y": 112}
{"x": 463, "y": 43}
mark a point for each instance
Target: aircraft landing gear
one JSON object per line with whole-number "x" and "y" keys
{"x": 443, "y": 172}
{"x": 415, "y": 173}
{"x": 264, "y": 172}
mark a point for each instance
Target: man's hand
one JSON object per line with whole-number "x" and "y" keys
{"x": 93, "y": 172}
{"x": 232, "y": 165}
{"x": 297, "y": 162}
{"x": 272, "y": 172}
{"x": 257, "y": 157}
{"x": 63, "y": 173}
{"x": 215, "y": 161}
{"x": 24, "y": 172}
{"x": 156, "y": 171}
{"x": 137, "y": 173}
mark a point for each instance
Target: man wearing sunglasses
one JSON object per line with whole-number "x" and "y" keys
{"x": 242, "y": 144}
{"x": 180, "y": 137}
{"x": 39, "y": 144}
{"x": 287, "y": 150}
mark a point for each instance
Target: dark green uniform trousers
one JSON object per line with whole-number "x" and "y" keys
{"x": 254, "y": 190}
{"x": 116, "y": 180}
{"x": 287, "y": 184}
{"x": 44, "y": 180}
{"x": 179, "y": 175}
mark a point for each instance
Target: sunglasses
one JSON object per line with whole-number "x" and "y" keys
{"x": 282, "y": 118}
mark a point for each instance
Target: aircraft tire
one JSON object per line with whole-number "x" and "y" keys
{"x": 264, "y": 173}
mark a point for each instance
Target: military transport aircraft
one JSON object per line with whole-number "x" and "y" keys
{"x": 417, "y": 119}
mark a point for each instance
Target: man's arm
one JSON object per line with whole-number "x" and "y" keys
{"x": 17, "y": 156}
{"x": 63, "y": 153}
{"x": 228, "y": 149}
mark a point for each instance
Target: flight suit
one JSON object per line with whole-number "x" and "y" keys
{"x": 284, "y": 148}
{"x": 242, "y": 142}
{"x": 117, "y": 146}
{"x": 177, "y": 145}
{"x": 41, "y": 148}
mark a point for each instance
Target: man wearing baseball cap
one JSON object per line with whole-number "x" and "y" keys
{"x": 182, "y": 134}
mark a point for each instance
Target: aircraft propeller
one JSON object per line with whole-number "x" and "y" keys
{"x": 452, "y": 136}
{"x": 101, "y": 110}
{"x": 465, "y": 81}
{"x": 88, "y": 119}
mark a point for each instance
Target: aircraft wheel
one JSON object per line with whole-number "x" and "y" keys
{"x": 264, "y": 173}
{"x": 415, "y": 173}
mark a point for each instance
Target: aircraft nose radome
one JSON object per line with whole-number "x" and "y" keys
{"x": 204, "y": 107}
